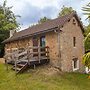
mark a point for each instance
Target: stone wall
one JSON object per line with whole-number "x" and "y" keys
{"x": 68, "y": 51}
{"x": 19, "y": 44}
{"x": 51, "y": 41}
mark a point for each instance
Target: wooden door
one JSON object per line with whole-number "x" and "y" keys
{"x": 35, "y": 44}
{"x": 42, "y": 44}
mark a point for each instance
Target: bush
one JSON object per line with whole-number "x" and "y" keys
{"x": 86, "y": 59}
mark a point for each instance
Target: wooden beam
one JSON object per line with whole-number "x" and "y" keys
{"x": 39, "y": 54}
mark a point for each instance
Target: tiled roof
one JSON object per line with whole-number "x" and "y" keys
{"x": 41, "y": 28}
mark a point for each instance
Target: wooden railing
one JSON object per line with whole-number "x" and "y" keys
{"x": 29, "y": 54}
{"x": 38, "y": 53}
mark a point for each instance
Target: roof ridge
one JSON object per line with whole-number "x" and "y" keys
{"x": 73, "y": 12}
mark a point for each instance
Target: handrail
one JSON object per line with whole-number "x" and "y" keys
{"x": 36, "y": 47}
{"x": 29, "y": 53}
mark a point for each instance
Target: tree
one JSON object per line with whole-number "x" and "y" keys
{"x": 42, "y": 20}
{"x": 86, "y": 59}
{"x": 7, "y": 18}
{"x": 87, "y": 42}
{"x": 65, "y": 11}
{"x": 3, "y": 35}
{"x": 87, "y": 11}
{"x": 7, "y": 22}
{"x": 87, "y": 30}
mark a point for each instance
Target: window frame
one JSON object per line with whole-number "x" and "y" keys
{"x": 75, "y": 60}
{"x": 42, "y": 39}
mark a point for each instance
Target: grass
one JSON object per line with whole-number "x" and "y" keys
{"x": 35, "y": 80}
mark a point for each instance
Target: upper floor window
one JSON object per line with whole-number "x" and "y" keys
{"x": 74, "y": 41}
{"x": 74, "y": 22}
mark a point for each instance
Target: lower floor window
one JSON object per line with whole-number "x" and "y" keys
{"x": 75, "y": 64}
{"x": 42, "y": 41}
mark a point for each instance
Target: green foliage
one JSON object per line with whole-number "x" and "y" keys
{"x": 7, "y": 18}
{"x": 42, "y": 20}
{"x": 7, "y": 22}
{"x": 87, "y": 30}
{"x": 86, "y": 59}
{"x": 87, "y": 11}
{"x": 39, "y": 79}
{"x": 87, "y": 42}
{"x": 4, "y": 34}
{"x": 65, "y": 11}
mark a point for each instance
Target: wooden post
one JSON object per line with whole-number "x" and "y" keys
{"x": 15, "y": 59}
{"x": 6, "y": 58}
{"x": 34, "y": 66}
{"x": 6, "y": 63}
{"x": 39, "y": 54}
{"x": 28, "y": 55}
{"x": 47, "y": 54}
{"x": 16, "y": 65}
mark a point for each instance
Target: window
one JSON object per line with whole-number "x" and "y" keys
{"x": 42, "y": 41}
{"x": 74, "y": 22}
{"x": 75, "y": 64}
{"x": 74, "y": 41}
{"x": 35, "y": 41}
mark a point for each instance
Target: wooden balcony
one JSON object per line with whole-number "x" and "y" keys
{"x": 29, "y": 56}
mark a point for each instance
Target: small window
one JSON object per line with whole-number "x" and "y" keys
{"x": 42, "y": 41}
{"x": 74, "y": 41}
{"x": 74, "y": 22}
{"x": 35, "y": 41}
{"x": 75, "y": 64}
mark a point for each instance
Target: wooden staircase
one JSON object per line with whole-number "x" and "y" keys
{"x": 20, "y": 67}
{"x": 27, "y": 57}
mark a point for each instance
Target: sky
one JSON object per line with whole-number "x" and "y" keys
{"x": 32, "y": 10}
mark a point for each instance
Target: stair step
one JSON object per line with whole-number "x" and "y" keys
{"x": 23, "y": 68}
{"x": 18, "y": 69}
{"x": 21, "y": 65}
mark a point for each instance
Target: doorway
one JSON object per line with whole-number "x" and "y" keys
{"x": 35, "y": 45}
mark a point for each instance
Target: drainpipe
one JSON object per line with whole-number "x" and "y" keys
{"x": 59, "y": 48}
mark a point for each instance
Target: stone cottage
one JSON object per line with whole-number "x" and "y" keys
{"x": 63, "y": 36}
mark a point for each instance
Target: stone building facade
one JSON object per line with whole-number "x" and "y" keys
{"x": 63, "y": 36}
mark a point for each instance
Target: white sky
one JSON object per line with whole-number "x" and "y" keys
{"x": 32, "y": 10}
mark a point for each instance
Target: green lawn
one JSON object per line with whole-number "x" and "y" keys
{"x": 35, "y": 80}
